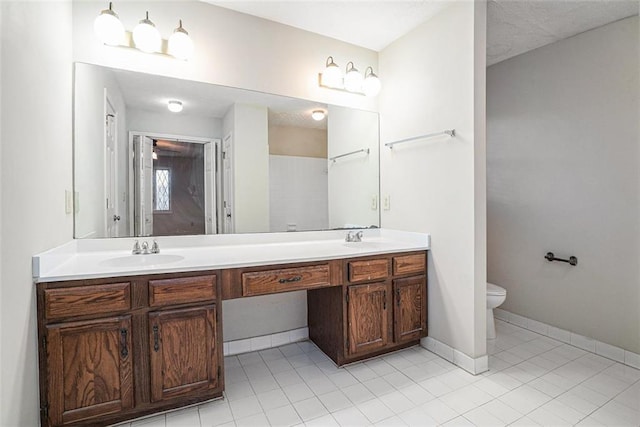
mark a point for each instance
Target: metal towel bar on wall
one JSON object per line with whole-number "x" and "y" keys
{"x": 551, "y": 257}
{"x": 362, "y": 150}
{"x": 450, "y": 132}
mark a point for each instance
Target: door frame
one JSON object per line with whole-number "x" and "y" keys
{"x": 215, "y": 186}
{"x": 108, "y": 104}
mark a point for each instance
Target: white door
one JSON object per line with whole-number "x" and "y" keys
{"x": 210, "y": 195}
{"x": 112, "y": 216}
{"x": 227, "y": 184}
{"x": 143, "y": 163}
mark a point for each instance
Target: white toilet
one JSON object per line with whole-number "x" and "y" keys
{"x": 495, "y": 296}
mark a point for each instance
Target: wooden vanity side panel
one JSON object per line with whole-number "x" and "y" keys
{"x": 325, "y": 313}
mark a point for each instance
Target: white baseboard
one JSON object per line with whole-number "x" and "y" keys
{"x": 585, "y": 343}
{"x": 474, "y": 366}
{"x": 265, "y": 341}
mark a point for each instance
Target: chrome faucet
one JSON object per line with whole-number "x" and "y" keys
{"x": 136, "y": 248}
{"x": 145, "y": 248}
{"x": 354, "y": 237}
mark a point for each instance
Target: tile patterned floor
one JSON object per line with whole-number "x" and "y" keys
{"x": 533, "y": 380}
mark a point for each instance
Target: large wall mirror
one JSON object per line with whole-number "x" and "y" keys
{"x": 231, "y": 161}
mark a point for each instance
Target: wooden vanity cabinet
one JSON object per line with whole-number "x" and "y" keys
{"x": 116, "y": 349}
{"x": 382, "y": 307}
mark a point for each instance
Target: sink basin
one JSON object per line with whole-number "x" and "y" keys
{"x": 364, "y": 245}
{"x": 141, "y": 260}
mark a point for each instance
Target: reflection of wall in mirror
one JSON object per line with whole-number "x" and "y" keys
{"x": 353, "y": 180}
{"x": 91, "y": 83}
{"x": 248, "y": 123}
{"x": 298, "y": 192}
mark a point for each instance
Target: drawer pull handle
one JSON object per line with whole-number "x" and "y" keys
{"x": 124, "y": 351}
{"x": 156, "y": 338}
{"x": 291, "y": 279}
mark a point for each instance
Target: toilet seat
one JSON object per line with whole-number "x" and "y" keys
{"x": 495, "y": 290}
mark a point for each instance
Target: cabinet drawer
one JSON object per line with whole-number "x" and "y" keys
{"x": 408, "y": 264}
{"x": 182, "y": 290}
{"x": 374, "y": 269}
{"x": 85, "y": 300}
{"x": 286, "y": 279}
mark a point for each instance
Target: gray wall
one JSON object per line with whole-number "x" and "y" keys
{"x": 563, "y": 176}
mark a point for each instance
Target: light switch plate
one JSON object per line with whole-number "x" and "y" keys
{"x": 68, "y": 202}
{"x": 76, "y": 202}
{"x": 386, "y": 202}
{"x": 374, "y": 202}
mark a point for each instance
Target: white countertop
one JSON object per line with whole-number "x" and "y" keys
{"x": 94, "y": 258}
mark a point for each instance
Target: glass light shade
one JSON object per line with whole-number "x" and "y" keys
{"x": 108, "y": 28}
{"x": 180, "y": 44}
{"x": 352, "y": 79}
{"x": 174, "y": 106}
{"x": 371, "y": 84}
{"x": 146, "y": 36}
{"x": 317, "y": 115}
{"x": 332, "y": 75}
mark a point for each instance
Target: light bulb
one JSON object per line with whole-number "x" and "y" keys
{"x": 146, "y": 36}
{"x": 174, "y": 106}
{"x": 317, "y": 115}
{"x": 352, "y": 79}
{"x": 371, "y": 84}
{"x": 108, "y": 27}
{"x": 180, "y": 44}
{"x": 332, "y": 75}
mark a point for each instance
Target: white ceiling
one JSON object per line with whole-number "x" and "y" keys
{"x": 513, "y": 26}
{"x": 518, "y": 26}
{"x": 366, "y": 23}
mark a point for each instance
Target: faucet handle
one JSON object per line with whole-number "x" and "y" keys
{"x": 136, "y": 248}
{"x": 349, "y": 237}
{"x": 359, "y": 235}
{"x": 145, "y": 247}
{"x": 155, "y": 248}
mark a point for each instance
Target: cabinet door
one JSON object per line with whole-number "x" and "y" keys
{"x": 89, "y": 369}
{"x": 368, "y": 318}
{"x": 410, "y": 311}
{"x": 184, "y": 357}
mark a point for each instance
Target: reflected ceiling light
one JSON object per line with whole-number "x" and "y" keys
{"x": 154, "y": 155}
{"x": 109, "y": 28}
{"x": 180, "y": 44}
{"x": 332, "y": 76}
{"x": 318, "y": 115}
{"x": 371, "y": 84}
{"x": 352, "y": 78}
{"x": 146, "y": 36}
{"x": 174, "y": 106}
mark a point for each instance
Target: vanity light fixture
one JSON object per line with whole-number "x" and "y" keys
{"x": 352, "y": 78}
{"x": 180, "y": 44}
{"x": 318, "y": 115}
{"x": 352, "y": 82}
{"x": 332, "y": 76}
{"x": 145, "y": 36}
{"x": 108, "y": 27}
{"x": 174, "y": 106}
{"x": 371, "y": 84}
{"x": 154, "y": 155}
